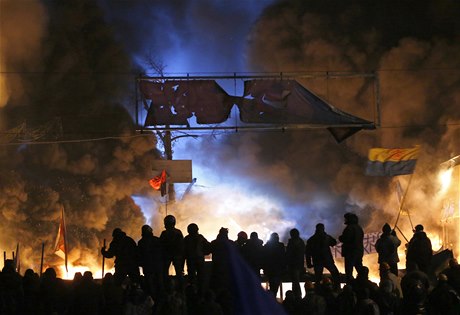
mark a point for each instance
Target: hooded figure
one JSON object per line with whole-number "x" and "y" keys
{"x": 419, "y": 251}
{"x": 352, "y": 245}
{"x": 387, "y": 248}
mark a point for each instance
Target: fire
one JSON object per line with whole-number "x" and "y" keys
{"x": 72, "y": 270}
{"x": 445, "y": 178}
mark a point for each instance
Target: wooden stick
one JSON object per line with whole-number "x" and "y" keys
{"x": 41, "y": 261}
{"x": 103, "y": 262}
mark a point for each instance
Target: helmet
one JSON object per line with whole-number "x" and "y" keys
{"x": 146, "y": 229}
{"x": 242, "y": 235}
{"x": 274, "y": 237}
{"x": 192, "y": 228}
{"x": 169, "y": 220}
{"x": 294, "y": 233}
{"x": 117, "y": 232}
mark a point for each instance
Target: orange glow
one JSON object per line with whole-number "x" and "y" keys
{"x": 445, "y": 178}
{"x": 96, "y": 270}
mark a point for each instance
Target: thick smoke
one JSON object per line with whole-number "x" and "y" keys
{"x": 74, "y": 78}
{"x": 414, "y": 53}
{"x": 312, "y": 178}
{"x": 73, "y": 69}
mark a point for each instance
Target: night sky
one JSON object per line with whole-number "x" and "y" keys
{"x": 68, "y": 72}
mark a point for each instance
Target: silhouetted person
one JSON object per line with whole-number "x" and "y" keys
{"x": 453, "y": 274}
{"x": 196, "y": 247}
{"x": 54, "y": 297}
{"x": 318, "y": 255}
{"x": 364, "y": 287}
{"x": 419, "y": 251}
{"x": 11, "y": 290}
{"x": 241, "y": 239}
{"x": 88, "y": 297}
{"x": 386, "y": 274}
{"x": 366, "y": 305}
{"x": 172, "y": 241}
{"x": 274, "y": 262}
{"x": 388, "y": 301}
{"x": 151, "y": 261}
{"x": 220, "y": 277}
{"x": 387, "y": 248}
{"x": 124, "y": 249}
{"x": 347, "y": 301}
{"x": 31, "y": 287}
{"x": 329, "y": 291}
{"x": 113, "y": 296}
{"x": 443, "y": 299}
{"x": 295, "y": 255}
{"x": 312, "y": 303}
{"x": 352, "y": 245}
{"x": 415, "y": 286}
{"x": 137, "y": 301}
{"x": 252, "y": 252}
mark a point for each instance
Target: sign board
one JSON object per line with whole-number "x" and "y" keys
{"x": 179, "y": 171}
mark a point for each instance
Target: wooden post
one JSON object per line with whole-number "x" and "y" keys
{"x": 103, "y": 262}
{"x": 41, "y": 261}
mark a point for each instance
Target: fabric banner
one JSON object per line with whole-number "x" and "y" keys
{"x": 60, "y": 249}
{"x": 369, "y": 241}
{"x": 391, "y": 162}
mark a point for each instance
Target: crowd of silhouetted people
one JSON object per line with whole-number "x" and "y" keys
{"x": 232, "y": 281}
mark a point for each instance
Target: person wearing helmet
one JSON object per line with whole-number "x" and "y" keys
{"x": 172, "y": 242}
{"x": 151, "y": 261}
{"x": 196, "y": 247}
{"x": 124, "y": 249}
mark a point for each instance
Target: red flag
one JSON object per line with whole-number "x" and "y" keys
{"x": 159, "y": 182}
{"x": 60, "y": 248}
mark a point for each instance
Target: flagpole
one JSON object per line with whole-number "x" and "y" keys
{"x": 65, "y": 240}
{"x": 403, "y": 199}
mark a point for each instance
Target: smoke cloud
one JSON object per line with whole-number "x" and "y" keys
{"x": 69, "y": 75}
